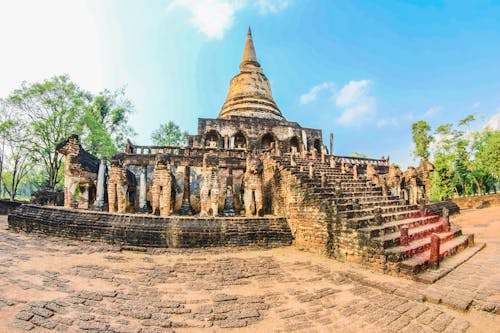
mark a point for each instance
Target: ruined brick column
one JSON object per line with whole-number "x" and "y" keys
{"x": 209, "y": 187}
{"x": 117, "y": 188}
{"x": 161, "y": 189}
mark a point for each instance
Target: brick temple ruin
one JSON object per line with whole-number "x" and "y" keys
{"x": 251, "y": 177}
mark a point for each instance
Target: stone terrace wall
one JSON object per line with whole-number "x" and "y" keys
{"x": 475, "y": 201}
{"x": 309, "y": 218}
{"x": 153, "y": 231}
{"x": 6, "y": 206}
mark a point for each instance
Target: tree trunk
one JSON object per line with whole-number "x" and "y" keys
{"x": 479, "y": 189}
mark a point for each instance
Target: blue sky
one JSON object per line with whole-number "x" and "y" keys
{"x": 364, "y": 70}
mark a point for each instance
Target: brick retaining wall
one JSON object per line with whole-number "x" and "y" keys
{"x": 475, "y": 201}
{"x": 152, "y": 231}
{"x": 6, "y": 206}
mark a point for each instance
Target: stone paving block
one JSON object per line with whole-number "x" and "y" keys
{"x": 441, "y": 322}
{"x": 427, "y": 317}
{"x": 457, "y": 302}
{"x": 457, "y": 326}
{"x": 24, "y": 315}
{"x": 24, "y": 325}
{"x": 417, "y": 310}
{"x": 399, "y": 323}
{"x": 234, "y": 323}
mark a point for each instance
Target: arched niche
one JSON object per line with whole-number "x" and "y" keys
{"x": 294, "y": 144}
{"x": 240, "y": 140}
{"x": 267, "y": 141}
{"x": 212, "y": 139}
{"x": 317, "y": 145}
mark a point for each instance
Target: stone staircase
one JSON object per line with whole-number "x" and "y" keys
{"x": 386, "y": 232}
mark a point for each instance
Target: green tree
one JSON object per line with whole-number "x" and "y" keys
{"x": 51, "y": 110}
{"x": 104, "y": 123}
{"x": 421, "y": 138}
{"x": 169, "y": 134}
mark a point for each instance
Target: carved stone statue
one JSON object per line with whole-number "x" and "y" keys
{"x": 121, "y": 186}
{"x": 80, "y": 170}
{"x": 410, "y": 176}
{"x": 423, "y": 171}
{"x": 161, "y": 188}
{"x": 394, "y": 180}
{"x": 252, "y": 180}
{"x": 372, "y": 174}
{"x": 209, "y": 187}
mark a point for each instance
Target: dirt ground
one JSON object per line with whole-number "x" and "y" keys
{"x": 53, "y": 284}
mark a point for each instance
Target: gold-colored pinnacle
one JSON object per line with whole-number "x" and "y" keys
{"x": 249, "y": 56}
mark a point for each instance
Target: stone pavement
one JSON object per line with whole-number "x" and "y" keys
{"x": 51, "y": 284}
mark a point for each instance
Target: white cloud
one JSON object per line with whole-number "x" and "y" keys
{"x": 494, "y": 122}
{"x": 357, "y": 106}
{"x": 386, "y": 122}
{"x": 312, "y": 94}
{"x": 433, "y": 110}
{"x": 476, "y": 105}
{"x": 214, "y": 17}
{"x": 358, "y": 113}
{"x": 272, "y": 6}
{"x": 352, "y": 92}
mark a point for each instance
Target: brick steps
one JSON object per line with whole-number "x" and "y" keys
{"x": 375, "y": 218}
{"x": 420, "y": 262}
{"x": 418, "y": 246}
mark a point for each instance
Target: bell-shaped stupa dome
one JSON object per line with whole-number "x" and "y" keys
{"x": 250, "y": 92}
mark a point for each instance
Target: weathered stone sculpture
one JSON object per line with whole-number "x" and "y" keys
{"x": 161, "y": 189}
{"x": 394, "y": 180}
{"x": 117, "y": 187}
{"x": 423, "y": 171}
{"x": 372, "y": 174}
{"x": 80, "y": 170}
{"x": 252, "y": 180}
{"x": 209, "y": 189}
{"x": 410, "y": 176}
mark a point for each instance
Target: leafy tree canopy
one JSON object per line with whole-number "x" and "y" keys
{"x": 169, "y": 134}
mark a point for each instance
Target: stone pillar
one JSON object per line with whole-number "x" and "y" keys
{"x": 323, "y": 156}
{"x": 303, "y": 151}
{"x": 231, "y": 142}
{"x": 143, "y": 189}
{"x": 292, "y": 161}
{"x": 403, "y": 238}
{"x": 311, "y": 170}
{"x": 226, "y": 142}
{"x": 314, "y": 154}
{"x": 101, "y": 175}
{"x": 434, "y": 253}
{"x": 323, "y": 179}
{"x": 214, "y": 195}
{"x": 304, "y": 140}
{"x": 331, "y": 143}
{"x": 332, "y": 162}
{"x": 446, "y": 219}
{"x": 186, "y": 208}
{"x": 355, "y": 171}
